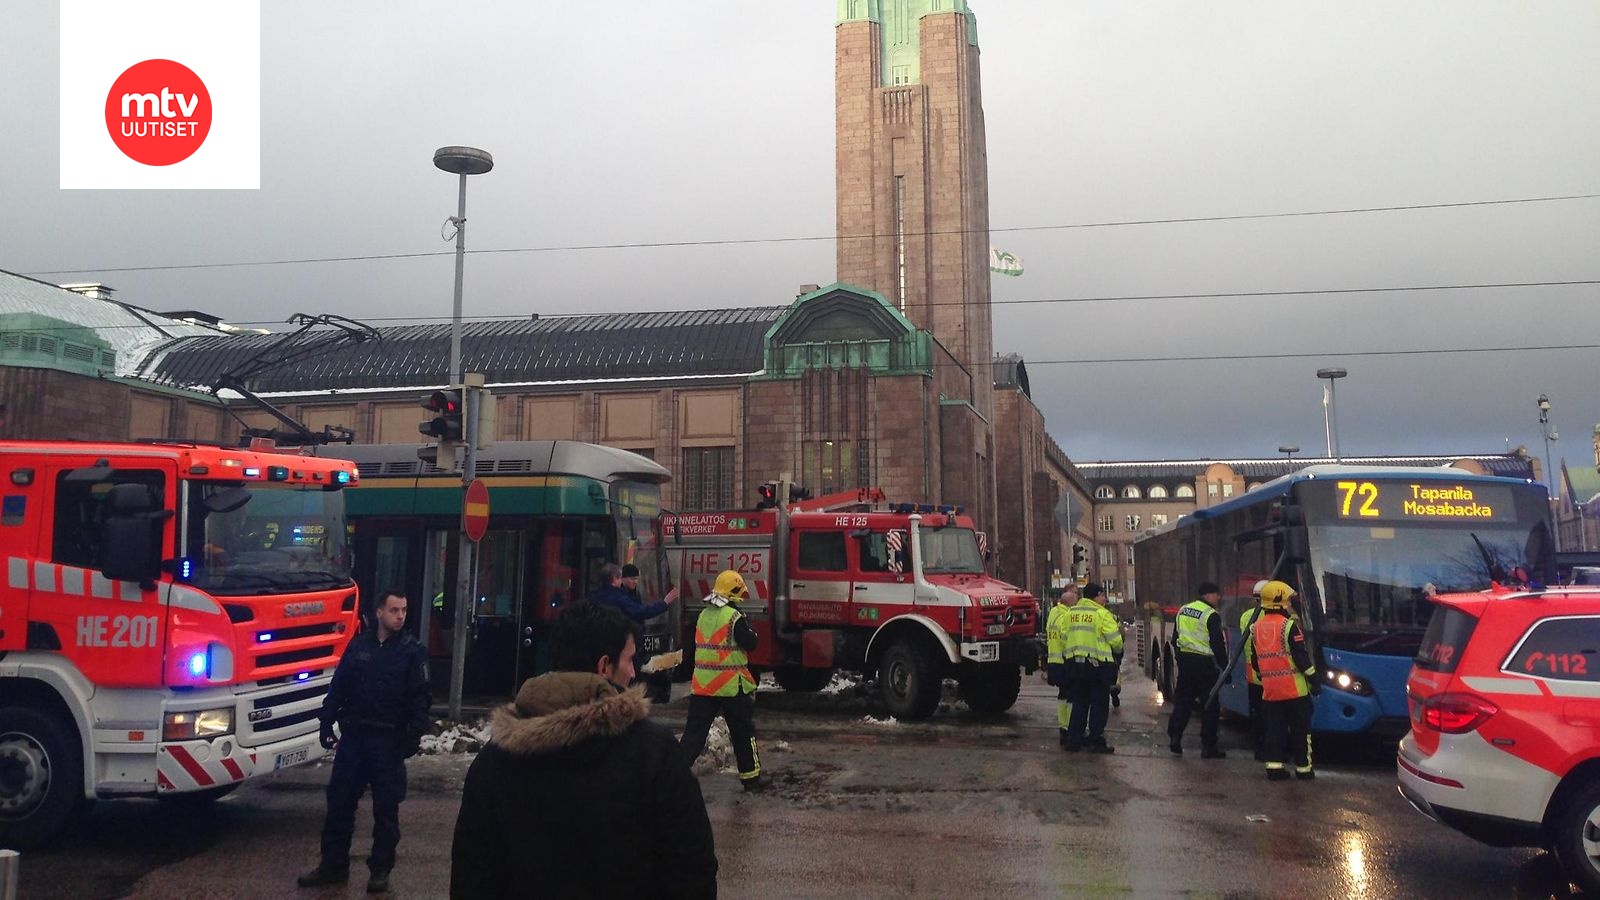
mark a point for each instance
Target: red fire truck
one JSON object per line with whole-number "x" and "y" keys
{"x": 170, "y": 619}
{"x": 897, "y": 592}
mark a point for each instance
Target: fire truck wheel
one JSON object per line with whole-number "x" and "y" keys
{"x": 1577, "y": 837}
{"x": 800, "y": 680}
{"x": 41, "y": 778}
{"x": 991, "y": 689}
{"x": 908, "y": 682}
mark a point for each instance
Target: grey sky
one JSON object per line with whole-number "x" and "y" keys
{"x": 646, "y": 122}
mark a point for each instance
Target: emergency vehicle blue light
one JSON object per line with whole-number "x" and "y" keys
{"x": 302, "y": 676}
{"x": 197, "y": 664}
{"x": 926, "y": 507}
{"x": 252, "y": 472}
{"x": 277, "y": 473}
{"x": 342, "y": 477}
{"x": 263, "y": 637}
{"x": 946, "y": 508}
{"x": 185, "y": 569}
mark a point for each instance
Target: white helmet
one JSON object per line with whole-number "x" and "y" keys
{"x": 1256, "y": 591}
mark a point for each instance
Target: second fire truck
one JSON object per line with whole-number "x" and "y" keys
{"x": 897, "y": 592}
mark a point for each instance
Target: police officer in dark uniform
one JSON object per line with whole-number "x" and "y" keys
{"x": 379, "y": 698}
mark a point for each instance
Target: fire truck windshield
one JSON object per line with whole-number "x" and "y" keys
{"x": 950, "y": 551}
{"x": 280, "y": 539}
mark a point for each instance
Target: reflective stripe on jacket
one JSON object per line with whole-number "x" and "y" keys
{"x": 1092, "y": 633}
{"x": 721, "y": 667}
{"x": 1280, "y": 678}
{"x": 1194, "y": 631}
{"x": 1055, "y": 633}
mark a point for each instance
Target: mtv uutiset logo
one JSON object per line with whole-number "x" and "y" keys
{"x": 160, "y": 94}
{"x": 158, "y": 112}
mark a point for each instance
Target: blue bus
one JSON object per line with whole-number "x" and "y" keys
{"x": 1366, "y": 547}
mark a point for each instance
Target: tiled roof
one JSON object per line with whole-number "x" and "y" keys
{"x": 1138, "y": 471}
{"x": 508, "y": 351}
{"x": 131, "y": 331}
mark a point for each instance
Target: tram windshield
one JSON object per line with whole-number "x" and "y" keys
{"x": 1381, "y": 549}
{"x": 638, "y": 517}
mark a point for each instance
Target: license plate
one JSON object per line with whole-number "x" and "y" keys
{"x": 292, "y": 758}
{"x": 654, "y": 643}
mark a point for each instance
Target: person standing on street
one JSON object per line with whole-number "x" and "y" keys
{"x": 621, "y": 597}
{"x": 722, "y": 683}
{"x": 575, "y": 767}
{"x": 1093, "y": 650}
{"x": 1202, "y": 655}
{"x": 1055, "y": 657}
{"x": 379, "y": 698}
{"x": 1282, "y": 661}
{"x": 1252, "y": 681}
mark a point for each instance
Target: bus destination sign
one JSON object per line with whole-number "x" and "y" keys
{"x": 1423, "y": 501}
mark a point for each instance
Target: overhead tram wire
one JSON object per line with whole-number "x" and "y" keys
{"x": 723, "y": 242}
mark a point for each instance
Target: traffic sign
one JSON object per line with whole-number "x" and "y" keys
{"x": 475, "y": 513}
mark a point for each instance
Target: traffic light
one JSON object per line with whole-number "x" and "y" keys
{"x": 769, "y": 496}
{"x": 446, "y": 424}
{"x": 1078, "y": 554}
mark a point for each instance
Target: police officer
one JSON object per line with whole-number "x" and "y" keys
{"x": 1201, "y": 656}
{"x": 1093, "y": 650}
{"x": 379, "y": 698}
{"x": 1055, "y": 656}
{"x": 722, "y": 683}
{"x": 1282, "y": 661}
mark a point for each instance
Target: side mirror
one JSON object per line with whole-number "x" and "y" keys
{"x": 1295, "y": 545}
{"x": 131, "y": 549}
{"x": 226, "y": 501}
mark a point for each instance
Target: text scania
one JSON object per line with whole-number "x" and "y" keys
{"x": 136, "y": 108}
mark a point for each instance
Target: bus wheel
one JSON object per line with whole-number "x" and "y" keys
{"x": 1577, "y": 837}
{"x": 801, "y": 680}
{"x": 991, "y": 689}
{"x": 41, "y": 778}
{"x": 908, "y": 682}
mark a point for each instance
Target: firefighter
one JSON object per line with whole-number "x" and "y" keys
{"x": 1252, "y": 683}
{"x": 1056, "y": 660}
{"x": 1092, "y": 650}
{"x": 1201, "y": 656}
{"x": 1282, "y": 661}
{"x": 722, "y": 683}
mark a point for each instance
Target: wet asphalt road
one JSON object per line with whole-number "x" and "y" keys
{"x": 954, "y": 806}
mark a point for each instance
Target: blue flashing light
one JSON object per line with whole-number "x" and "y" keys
{"x": 342, "y": 477}
{"x": 277, "y": 473}
{"x": 263, "y": 637}
{"x": 302, "y": 676}
{"x": 197, "y": 663}
{"x": 252, "y": 472}
{"x": 185, "y": 569}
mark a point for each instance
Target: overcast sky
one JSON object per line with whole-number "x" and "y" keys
{"x": 640, "y": 122}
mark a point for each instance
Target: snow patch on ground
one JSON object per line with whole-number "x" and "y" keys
{"x": 718, "y": 754}
{"x": 462, "y": 738}
{"x": 869, "y": 720}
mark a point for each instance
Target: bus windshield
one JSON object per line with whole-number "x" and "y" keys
{"x": 1374, "y": 574}
{"x": 280, "y": 540}
{"x": 949, "y": 551}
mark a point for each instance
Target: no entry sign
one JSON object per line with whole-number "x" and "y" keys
{"x": 475, "y": 512}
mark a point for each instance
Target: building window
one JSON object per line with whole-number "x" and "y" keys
{"x": 1132, "y": 522}
{"x": 1212, "y": 488}
{"x": 1104, "y": 492}
{"x": 1158, "y": 493}
{"x": 1108, "y": 523}
{"x": 1130, "y": 554}
{"x": 830, "y": 467}
{"x": 1158, "y": 518}
{"x": 1107, "y": 555}
{"x": 1131, "y": 492}
{"x": 1185, "y": 492}
{"x": 1110, "y": 585}
{"x": 1227, "y": 489}
{"x": 707, "y": 478}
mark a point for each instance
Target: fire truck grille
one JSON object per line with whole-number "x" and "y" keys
{"x": 291, "y": 697}
{"x": 268, "y": 660}
{"x": 297, "y": 631}
{"x": 288, "y": 721}
{"x": 279, "y": 713}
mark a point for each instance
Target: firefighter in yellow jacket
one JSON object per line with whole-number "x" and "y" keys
{"x": 722, "y": 683}
{"x": 1283, "y": 663}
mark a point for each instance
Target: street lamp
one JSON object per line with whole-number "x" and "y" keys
{"x": 1330, "y": 416}
{"x": 461, "y": 161}
{"x": 1289, "y": 450}
{"x": 1549, "y": 435}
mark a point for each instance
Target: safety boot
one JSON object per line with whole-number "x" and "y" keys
{"x": 1176, "y": 747}
{"x": 1307, "y": 775}
{"x": 378, "y": 883}
{"x": 761, "y": 782}
{"x": 1277, "y": 774}
{"x": 322, "y": 875}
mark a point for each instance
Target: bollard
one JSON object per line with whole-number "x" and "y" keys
{"x": 10, "y": 870}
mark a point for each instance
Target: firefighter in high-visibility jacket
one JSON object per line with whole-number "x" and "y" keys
{"x": 1055, "y": 656}
{"x": 722, "y": 683}
{"x": 1093, "y": 651}
{"x": 1282, "y": 661}
{"x": 1252, "y": 682}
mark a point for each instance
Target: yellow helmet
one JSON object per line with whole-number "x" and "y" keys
{"x": 730, "y": 586}
{"x": 1276, "y": 595}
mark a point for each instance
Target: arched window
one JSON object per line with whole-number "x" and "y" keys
{"x": 1186, "y": 491}
{"x": 1131, "y": 492}
{"x": 1104, "y": 492}
{"x": 1158, "y": 493}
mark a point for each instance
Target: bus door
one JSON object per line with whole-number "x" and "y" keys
{"x": 551, "y": 581}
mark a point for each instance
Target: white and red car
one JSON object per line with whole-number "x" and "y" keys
{"x": 1505, "y": 722}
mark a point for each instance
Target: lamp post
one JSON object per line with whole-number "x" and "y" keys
{"x": 1549, "y": 435}
{"x": 462, "y": 161}
{"x": 1330, "y": 416}
{"x": 1289, "y": 450}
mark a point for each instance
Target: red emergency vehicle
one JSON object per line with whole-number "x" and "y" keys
{"x": 170, "y": 619}
{"x": 894, "y": 591}
{"x": 1505, "y": 722}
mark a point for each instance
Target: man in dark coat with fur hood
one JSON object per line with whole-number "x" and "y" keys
{"x": 574, "y": 763}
